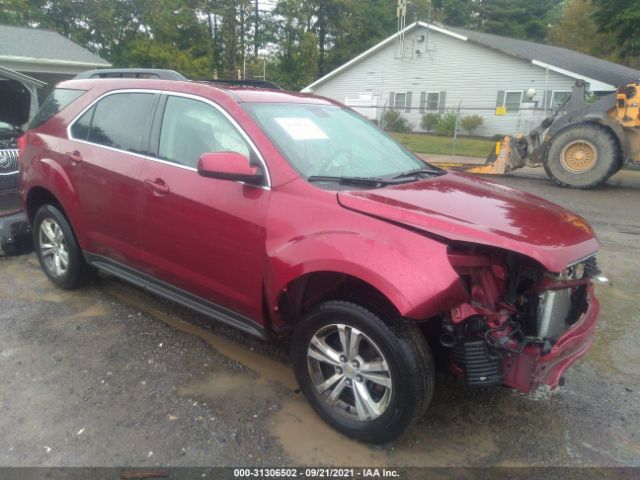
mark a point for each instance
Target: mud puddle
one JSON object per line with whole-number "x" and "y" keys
{"x": 305, "y": 438}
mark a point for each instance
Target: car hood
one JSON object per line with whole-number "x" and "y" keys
{"x": 15, "y": 97}
{"x": 461, "y": 207}
{"x": 15, "y": 102}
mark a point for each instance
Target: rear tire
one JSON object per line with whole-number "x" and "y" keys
{"x": 582, "y": 156}
{"x": 57, "y": 249}
{"x": 373, "y": 391}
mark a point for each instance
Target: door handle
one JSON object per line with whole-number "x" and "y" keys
{"x": 74, "y": 156}
{"x": 157, "y": 185}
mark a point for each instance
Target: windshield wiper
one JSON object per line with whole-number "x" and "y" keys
{"x": 418, "y": 172}
{"x": 358, "y": 181}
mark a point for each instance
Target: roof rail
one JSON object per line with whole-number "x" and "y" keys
{"x": 156, "y": 73}
{"x": 243, "y": 83}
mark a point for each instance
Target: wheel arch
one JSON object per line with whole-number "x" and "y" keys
{"x": 304, "y": 292}
{"x": 403, "y": 274}
{"x": 51, "y": 183}
{"x": 36, "y": 198}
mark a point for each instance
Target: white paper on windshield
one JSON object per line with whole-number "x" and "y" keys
{"x": 301, "y": 128}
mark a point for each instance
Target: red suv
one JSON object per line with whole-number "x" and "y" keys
{"x": 287, "y": 214}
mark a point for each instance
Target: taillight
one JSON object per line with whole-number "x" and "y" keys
{"x": 22, "y": 143}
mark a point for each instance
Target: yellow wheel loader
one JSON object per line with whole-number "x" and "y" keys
{"x": 580, "y": 145}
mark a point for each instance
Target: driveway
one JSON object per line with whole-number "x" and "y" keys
{"x": 110, "y": 375}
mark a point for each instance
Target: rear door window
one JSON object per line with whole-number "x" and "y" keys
{"x": 120, "y": 120}
{"x": 57, "y": 100}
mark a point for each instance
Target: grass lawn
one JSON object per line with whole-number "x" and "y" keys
{"x": 424, "y": 143}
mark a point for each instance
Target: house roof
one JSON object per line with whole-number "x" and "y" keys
{"x": 562, "y": 58}
{"x": 19, "y": 43}
{"x": 601, "y": 74}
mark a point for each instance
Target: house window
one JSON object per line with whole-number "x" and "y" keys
{"x": 433, "y": 101}
{"x": 558, "y": 97}
{"x": 512, "y": 101}
{"x": 400, "y": 101}
{"x": 508, "y": 101}
{"x": 429, "y": 101}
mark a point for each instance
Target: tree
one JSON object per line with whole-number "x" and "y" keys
{"x": 456, "y": 13}
{"x": 578, "y": 31}
{"x": 526, "y": 19}
{"x": 15, "y": 12}
{"x": 622, "y": 19}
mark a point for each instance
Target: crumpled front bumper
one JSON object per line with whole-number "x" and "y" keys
{"x": 531, "y": 369}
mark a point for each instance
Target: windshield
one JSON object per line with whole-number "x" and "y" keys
{"x": 326, "y": 140}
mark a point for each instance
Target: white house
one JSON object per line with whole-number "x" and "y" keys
{"x": 431, "y": 68}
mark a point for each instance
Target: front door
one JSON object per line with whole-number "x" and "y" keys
{"x": 203, "y": 235}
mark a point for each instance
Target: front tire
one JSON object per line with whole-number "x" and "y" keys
{"x": 57, "y": 249}
{"x": 367, "y": 377}
{"x": 582, "y": 156}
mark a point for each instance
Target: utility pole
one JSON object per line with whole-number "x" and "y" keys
{"x": 242, "y": 32}
{"x": 256, "y": 35}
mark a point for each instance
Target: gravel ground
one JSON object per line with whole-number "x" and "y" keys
{"x": 110, "y": 375}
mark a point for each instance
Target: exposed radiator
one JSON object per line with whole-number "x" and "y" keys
{"x": 553, "y": 310}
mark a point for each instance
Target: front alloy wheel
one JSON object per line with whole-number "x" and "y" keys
{"x": 368, "y": 375}
{"x": 349, "y": 371}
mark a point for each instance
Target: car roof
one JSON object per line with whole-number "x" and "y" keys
{"x": 235, "y": 92}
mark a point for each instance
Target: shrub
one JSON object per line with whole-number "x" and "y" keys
{"x": 471, "y": 123}
{"x": 446, "y": 124}
{"x": 429, "y": 121}
{"x": 393, "y": 121}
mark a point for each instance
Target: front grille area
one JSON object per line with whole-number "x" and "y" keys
{"x": 8, "y": 162}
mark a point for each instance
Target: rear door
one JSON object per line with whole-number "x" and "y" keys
{"x": 105, "y": 155}
{"x": 203, "y": 235}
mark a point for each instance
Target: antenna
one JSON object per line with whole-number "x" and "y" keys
{"x": 428, "y": 34}
{"x": 401, "y": 14}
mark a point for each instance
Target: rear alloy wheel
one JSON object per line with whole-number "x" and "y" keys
{"x": 57, "y": 249}
{"x": 53, "y": 248}
{"x": 366, "y": 377}
{"x": 582, "y": 156}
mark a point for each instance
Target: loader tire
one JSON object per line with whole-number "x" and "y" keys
{"x": 582, "y": 156}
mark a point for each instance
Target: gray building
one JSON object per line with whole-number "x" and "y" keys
{"x": 44, "y": 55}
{"x": 431, "y": 68}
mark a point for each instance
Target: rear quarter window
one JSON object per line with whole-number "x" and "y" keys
{"x": 57, "y": 100}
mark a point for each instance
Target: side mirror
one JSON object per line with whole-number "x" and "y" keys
{"x": 228, "y": 166}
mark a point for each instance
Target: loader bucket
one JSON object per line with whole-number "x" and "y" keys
{"x": 496, "y": 163}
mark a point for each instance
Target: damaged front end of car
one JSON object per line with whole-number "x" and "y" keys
{"x": 521, "y": 326}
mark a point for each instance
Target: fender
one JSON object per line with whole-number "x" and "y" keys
{"x": 411, "y": 270}
{"x": 52, "y": 177}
